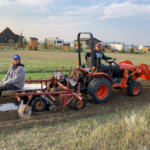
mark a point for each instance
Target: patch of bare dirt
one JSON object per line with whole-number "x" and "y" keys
{"x": 119, "y": 100}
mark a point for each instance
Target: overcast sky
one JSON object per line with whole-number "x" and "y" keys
{"x": 125, "y": 21}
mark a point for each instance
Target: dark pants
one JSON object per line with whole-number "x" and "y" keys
{"x": 7, "y": 87}
{"x": 107, "y": 69}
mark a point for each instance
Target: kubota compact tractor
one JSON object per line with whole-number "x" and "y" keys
{"x": 98, "y": 84}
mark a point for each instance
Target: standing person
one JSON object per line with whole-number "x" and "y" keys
{"x": 15, "y": 77}
{"x": 98, "y": 55}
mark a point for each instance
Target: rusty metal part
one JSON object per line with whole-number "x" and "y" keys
{"x": 28, "y": 101}
{"x": 39, "y": 104}
{"x": 52, "y": 107}
{"x": 41, "y": 95}
{"x": 24, "y": 114}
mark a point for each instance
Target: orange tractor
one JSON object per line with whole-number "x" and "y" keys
{"x": 98, "y": 85}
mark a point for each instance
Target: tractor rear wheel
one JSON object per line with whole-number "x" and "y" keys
{"x": 134, "y": 88}
{"x": 99, "y": 90}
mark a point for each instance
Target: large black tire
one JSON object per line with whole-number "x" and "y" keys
{"x": 96, "y": 95}
{"x": 134, "y": 88}
{"x": 78, "y": 104}
{"x": 36, "y": 106}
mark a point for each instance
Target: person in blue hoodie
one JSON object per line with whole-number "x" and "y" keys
{"x": 15, "y": 77}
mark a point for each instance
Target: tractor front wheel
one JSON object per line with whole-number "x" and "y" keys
{"x": 99, "y": 90}
{"x": 134, "y": 88}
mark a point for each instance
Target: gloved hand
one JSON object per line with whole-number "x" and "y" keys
{"x": 113, "y": 58}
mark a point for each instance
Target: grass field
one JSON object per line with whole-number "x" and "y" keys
{"x": 51, "y": 60}
{"x": 123, "y": 130}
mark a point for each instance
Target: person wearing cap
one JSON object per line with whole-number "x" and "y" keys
{"x": 98, "y": 55}
{"x": 15, "y": 77}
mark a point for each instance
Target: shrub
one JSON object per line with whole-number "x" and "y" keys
{"x": 45, "y": 46}
{"x": 123, "y": 50}
{"x": 20, "y": 40}
{"x": 35, "y": 48}
{"x": 112, "y": 50}
{"x": 103, "y": 49}
{"x": 132, "y": 49}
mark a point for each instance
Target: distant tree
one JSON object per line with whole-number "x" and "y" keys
{"x": 51, "y": 43}
{"x": 11, "y": 41}
{"x": 113, "y": 46}
{"x": 103, "y": 48}
{"x": 81, "y": 47}
{"x": 20, "y": 40}
{"x": 123, "y": 50}
{"x": 45, "y": 46}
{"x": 110, "y": 48}
{"x": 75, "y": 43}
{"x": 25, "y": 42}
{"x": 132, "y": 49}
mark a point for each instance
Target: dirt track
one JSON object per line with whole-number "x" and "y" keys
{"x": 119, "y": 100}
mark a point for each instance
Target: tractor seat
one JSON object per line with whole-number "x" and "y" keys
{"x": 28, "y": 87}
{"x": 89, "y": 62}
{"x": 89, "y": 65}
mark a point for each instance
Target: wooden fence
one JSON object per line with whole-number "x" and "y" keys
{"x": 48, "y": 47}
{"x": 7, "y": 44}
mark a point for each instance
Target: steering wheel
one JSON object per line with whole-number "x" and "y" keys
{"x": 111, "y": 61}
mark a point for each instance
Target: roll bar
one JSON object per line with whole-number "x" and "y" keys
{"x": 91, "y": 47}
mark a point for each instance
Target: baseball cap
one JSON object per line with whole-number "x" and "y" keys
{"x": 16, "y": 57}
{"x": 98, "y": 44}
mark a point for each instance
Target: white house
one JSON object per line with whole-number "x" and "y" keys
{"x": 55, "y": 41}
{"x": 118, "y": 46}
{"x": 141, "y": 47}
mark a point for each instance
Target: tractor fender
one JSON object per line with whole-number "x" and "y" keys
{"x": 101, "y": 74}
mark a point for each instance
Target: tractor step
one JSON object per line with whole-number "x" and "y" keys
{"x": 118, "y": 81}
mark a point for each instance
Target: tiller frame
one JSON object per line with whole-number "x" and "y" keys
{"x": 53, "y": 81}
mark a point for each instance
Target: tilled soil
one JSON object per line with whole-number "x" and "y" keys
{"x": 119, "y": 100}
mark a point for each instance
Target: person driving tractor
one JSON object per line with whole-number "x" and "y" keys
{"x": 98, "y": 55}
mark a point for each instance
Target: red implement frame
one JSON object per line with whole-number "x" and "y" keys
{"x": 67, "y": 94}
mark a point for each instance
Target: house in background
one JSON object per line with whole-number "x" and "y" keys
{"x": 86, "y": 42}
{"x": 33, "y": 44}
{"x": 118, "y": 46}
{"x": 7, "y": 34}
{"x": 146, "y": 48}
{"x": 141, "y": 47}
{"x": 55, "y": 41}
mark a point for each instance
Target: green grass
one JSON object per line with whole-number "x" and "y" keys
{"x": 123, "y": 130}
{"x": 128, "y": 130}
{"x": 34, "y": 76}
{"x": 53, "y": 60}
